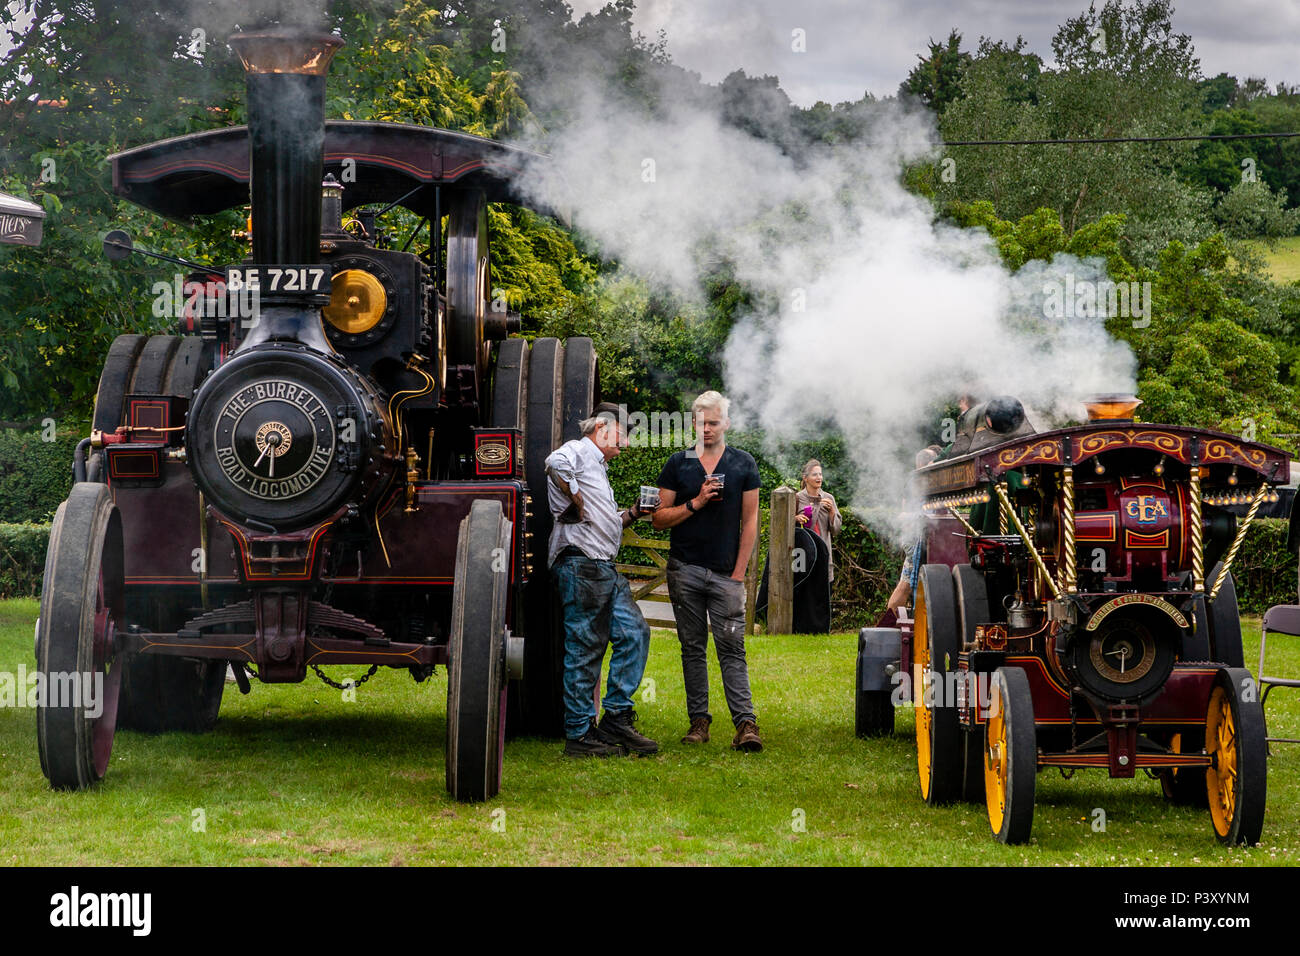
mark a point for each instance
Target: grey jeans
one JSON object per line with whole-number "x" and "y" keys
{"x": 700, "y": 597}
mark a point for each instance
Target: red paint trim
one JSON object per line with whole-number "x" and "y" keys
{"x": 1093, "y": 524}
{"x": 117, "y": 458}
{"x": 178, "y": 580}
{"x": 1135, "y": 541}
{"x": 310, "y": 558}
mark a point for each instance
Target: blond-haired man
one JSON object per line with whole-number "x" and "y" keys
{"x": 708, "y": 496}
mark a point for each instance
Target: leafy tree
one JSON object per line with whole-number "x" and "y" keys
{"x": 1218, "y": 92}
{"x": 1122, "y": 71}
{"x": 653, "y": 351}
{"x": 842, "y": 123}
{"x": 1204, "y": 359}
{"x": 1251, "y": 209}
{"x": 936, "y": 79}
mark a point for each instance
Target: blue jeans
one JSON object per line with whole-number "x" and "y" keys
{"x": 598, "y": 611}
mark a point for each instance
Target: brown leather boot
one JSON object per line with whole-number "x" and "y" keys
{"x": 747, "y": 737}
{"x": 699, "y": 732}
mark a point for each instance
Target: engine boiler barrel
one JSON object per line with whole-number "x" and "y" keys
{"x": 1133, "y": 527}
{"x": 283, "y": 436}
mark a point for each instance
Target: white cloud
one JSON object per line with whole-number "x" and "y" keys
{"x": 853, "y": 47}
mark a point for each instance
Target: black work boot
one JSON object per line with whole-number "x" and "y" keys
{"x": 593, "y": 744}
{"x": 619, "y": 727}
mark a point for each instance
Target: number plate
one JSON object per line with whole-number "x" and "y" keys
{"x": 275, "y": 280}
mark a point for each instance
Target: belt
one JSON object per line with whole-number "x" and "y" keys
{"x": 572, "y": 551}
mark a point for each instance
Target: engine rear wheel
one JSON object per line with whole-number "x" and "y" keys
{"x": 543, "y": 703}
{"x": 115, "y": 380}
{"x": 476, "y": 674}
{"x": 1225, "y": 622}
{"x": 934, "y": 654}
{"x": 81, "y": 610}
{"x": 545, "y": 391}
{"x": 581, "y": 385}
{"x": 1183, "y": 786}
{"x": 1237, "y": 781}
{"x": 160, "y": 694}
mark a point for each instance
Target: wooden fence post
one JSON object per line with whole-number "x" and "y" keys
{"x": 752, "y": 572}
{"x": 780, "y": 585}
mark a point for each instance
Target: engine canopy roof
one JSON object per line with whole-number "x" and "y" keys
{"x": 1078, "y": 444}
{"x": 204, "y": 173}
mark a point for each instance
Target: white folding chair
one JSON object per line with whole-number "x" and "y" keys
{"x": 1279, "y": 619}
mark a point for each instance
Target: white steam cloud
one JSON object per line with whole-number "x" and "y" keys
{"x": 874, "y": 313}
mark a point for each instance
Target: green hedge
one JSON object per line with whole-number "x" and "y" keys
{"x": 22, "y": 558}
{"x": 35, "y": 474}
{"x": 866, "y": 570}
{"x": 634, "y": 467}
{"x": 1264, "y": 572}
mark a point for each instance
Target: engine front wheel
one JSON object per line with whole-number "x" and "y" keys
{"x": 81, "y": 610}
{"x": 873, "y": 710}
{"x": 1010, "y": 757}
{"x": 476, "y": 684}
{"x": 1237, "y": 780}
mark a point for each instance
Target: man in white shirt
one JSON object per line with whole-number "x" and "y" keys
{"x": 598, "y": 605}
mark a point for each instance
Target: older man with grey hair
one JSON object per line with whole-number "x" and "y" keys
{"x": 598, "y": 605}
{"x": 714, "y": 528}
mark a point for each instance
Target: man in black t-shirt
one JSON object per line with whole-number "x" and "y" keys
{"x": 708, "y": 496}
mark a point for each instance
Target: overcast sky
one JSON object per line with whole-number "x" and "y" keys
{"x": 853, "y": 46}
{"x": 859, "y": 45}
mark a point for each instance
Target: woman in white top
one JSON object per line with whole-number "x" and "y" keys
{"x": 816, "y": 509}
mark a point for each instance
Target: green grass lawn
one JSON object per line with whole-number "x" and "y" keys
{"x": 1282, "y": 257}
{"x": 294, "y": 775}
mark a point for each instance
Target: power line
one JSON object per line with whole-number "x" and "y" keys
{"x": 1118, "y": 139}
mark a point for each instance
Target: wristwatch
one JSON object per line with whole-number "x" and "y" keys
{"x": 690, "y": 505}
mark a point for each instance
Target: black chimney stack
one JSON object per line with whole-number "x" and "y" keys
{"x": 285, "y": 78}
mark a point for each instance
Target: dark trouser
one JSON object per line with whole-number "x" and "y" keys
{"x": 598, "y": 611}
{"x": 700, "y": 597}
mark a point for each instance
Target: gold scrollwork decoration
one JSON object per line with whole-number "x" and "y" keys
{"x": 1047, "y": 452}
{"x": 1097, "y": 442}
{"x": 1219, "y": 449}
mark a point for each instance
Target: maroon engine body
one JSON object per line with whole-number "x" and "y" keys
{"x": 1095, "y": 561}
{"x": 293, "y": 469}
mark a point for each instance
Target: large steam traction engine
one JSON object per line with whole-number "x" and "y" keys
{"x": 284, "y": 494}
{"x": 1069, "y": 621}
